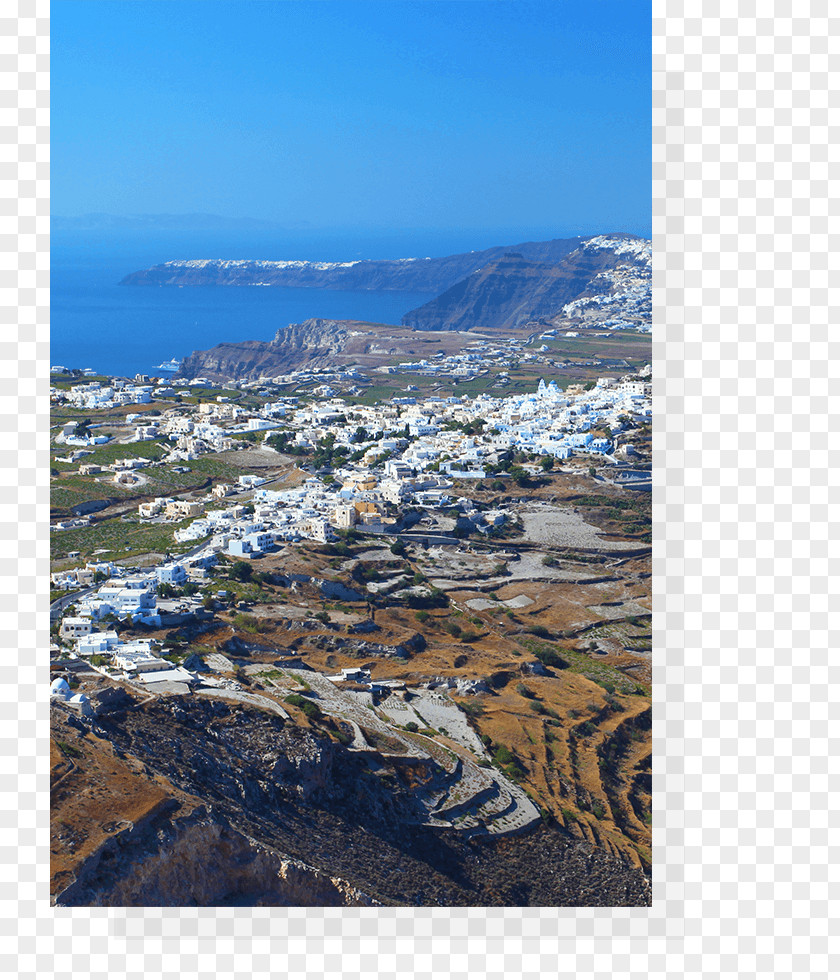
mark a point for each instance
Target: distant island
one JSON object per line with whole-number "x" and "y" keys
{"x": 434, "y": 275}
{"x": 500, "y": 287}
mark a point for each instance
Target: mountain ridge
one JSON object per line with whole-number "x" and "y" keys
{"x": 417, "y": 274}
{"x": 509, "y": 291}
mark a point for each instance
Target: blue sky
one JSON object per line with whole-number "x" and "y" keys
{"x": 532, "y": 117}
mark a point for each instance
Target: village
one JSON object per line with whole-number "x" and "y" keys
{"x": 416, "y": 498}
{"x": 383, "y": 468}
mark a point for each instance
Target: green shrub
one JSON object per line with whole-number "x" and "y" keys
{"x": 241, "y": 571}
{"x": 301, "y": 681}
{"x": 475, "y": 709}
{"x": 309, "y": 708}
{"x": 436, "y": 599}
{"x": 248, "y": 623}
{"x": 551, "y": 658}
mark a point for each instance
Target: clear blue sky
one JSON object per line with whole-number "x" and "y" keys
{"x": 477, "y": 115}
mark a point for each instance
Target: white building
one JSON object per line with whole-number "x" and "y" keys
{"x": 131, "y": 661}
{"x": 100, "y": 642}
{"x": 60, "y": 689}
{"x": 173, "y": 574}
{"x": 72, "y": 627}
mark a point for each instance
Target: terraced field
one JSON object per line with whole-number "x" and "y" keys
{"x": 462, "y": 793}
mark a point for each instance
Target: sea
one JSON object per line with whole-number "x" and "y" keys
{"x": 126, "y": 330}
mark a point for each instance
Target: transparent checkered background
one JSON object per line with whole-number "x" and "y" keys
{"x": 743, "y": 181}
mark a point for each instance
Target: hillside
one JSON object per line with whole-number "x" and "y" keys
{"x": 312, "y": 345}
{"x": 269, "y": 812}
{"x": 297, "y": 345}
{"x": 512, "y": 290}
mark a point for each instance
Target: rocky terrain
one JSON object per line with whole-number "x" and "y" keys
{"x": 408, "y": 275}
{"x": 197, "y": 802}
{"x": 506, "y": 762}
{"x": 312, "y": 345}
{"x": 604, "y": 278}
{"x": 513, "y": 290}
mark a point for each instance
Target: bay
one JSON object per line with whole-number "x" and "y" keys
{"x": 128, "y": 330}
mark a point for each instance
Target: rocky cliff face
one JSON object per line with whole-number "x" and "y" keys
{"x": 607, "y": 275}
{"x": 200, "y": 860}
{"x": 259, "y": 811}
{"x": 313, "y": 343}
{"x": 409, "y": 275}
{"x": 512, "y": 290}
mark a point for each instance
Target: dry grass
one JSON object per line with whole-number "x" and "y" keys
{"x": 93, "y": 795}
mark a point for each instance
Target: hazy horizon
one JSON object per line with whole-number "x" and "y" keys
{"x": 502, "y": 120}
{"x": 130, "y": 242}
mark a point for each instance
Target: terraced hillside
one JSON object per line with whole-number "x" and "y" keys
{"x": 502, "y": 755}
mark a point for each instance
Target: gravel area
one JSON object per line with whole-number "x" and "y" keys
{"x": 622, "y": 610}
{"x": 481, "y": 604}
{"x": 518, "y": 602}
{"x": 245, "y": 697}
{"x": 562, "y": 527}
{"x": 440, "y": 712}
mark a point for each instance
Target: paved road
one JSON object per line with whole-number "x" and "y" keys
{"x": 57, "y": 608}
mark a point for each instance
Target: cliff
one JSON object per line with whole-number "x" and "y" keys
{"x": 511, "y": 290}
{"x": 609, "y": 275}
{"x": 408, "y": 275}
{"x": 311, "y": 344}
{"x": 188, "y": 801}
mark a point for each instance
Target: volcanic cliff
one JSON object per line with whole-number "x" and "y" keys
{"x": 608, "y": 275}
{"x": 311, "y": 344}
{"x": 512, "y": 290}
{"x": 408, "y": 275}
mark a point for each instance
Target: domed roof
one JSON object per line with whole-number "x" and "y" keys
{"x": 60, "y": 688}
{"x": 79, "y": 699}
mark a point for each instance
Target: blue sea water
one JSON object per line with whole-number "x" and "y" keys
{"x": 126, "y": 330}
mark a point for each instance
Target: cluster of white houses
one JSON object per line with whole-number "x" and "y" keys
{"x": 420, "y": 447}
{"x": 94, "y": 394}
{"x": 408, "y": 454}
{"x": 90, "y": 628}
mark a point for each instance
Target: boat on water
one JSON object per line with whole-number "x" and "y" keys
{"x": 172, "y": 365}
